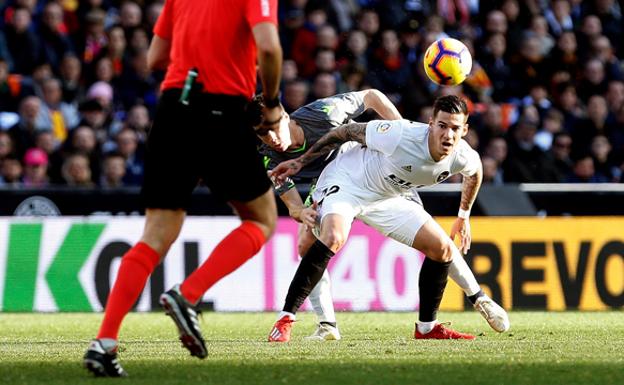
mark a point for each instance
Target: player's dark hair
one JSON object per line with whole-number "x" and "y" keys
{"x": 451, "y": 104}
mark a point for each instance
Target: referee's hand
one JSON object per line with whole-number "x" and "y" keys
{"x": 271, "y": 117}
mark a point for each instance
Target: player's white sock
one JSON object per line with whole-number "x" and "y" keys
{"x": 290, "y": 315}
{"x": 426, "y": 327}
{"x": 108, "y": 344}
{"x": 460, "y": 272}
{"x": 321, "y": 300}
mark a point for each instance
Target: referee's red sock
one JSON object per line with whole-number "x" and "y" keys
{"x": 136, "y": 266}
{"x": 234, "y": 250}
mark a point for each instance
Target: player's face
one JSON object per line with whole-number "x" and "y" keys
{"x": 278, "y": 140}
{"x": 445, "y": 131}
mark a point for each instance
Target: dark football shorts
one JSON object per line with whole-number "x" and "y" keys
{"x": 208, "y": 140}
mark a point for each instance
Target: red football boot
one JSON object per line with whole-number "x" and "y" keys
{"x": 440, "y": 332}
{"x": 281, "y": 330}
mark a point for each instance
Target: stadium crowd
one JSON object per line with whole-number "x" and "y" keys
{"x": 546, "y": 90}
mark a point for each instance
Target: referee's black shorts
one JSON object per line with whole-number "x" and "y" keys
{"x": 208, "y": 140}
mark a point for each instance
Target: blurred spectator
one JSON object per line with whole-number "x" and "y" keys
{"x": 71, "y": 74}
{"x": 389, "y": 72}
{"x": 560, "y": 151}
{"x": 603, "y": 163}
{"x": 76, "y": 171}
{"x": 11, "y": 172}
{"x": 128, "y": 146}
{"x": 615, "y": 95}
{"x": 324, "y": 86}
{"x": 138, "y": 119}
{"x": 594, "y": 124}
{"x": 83, "y": 142}
{"x": 29, "y": 124}
{"x": 492, "y": 173}
{"x": 113, "y": 170}
{"x": 497, "y": 150}
{"x": 559, "y": 18}
{"x": 6, "y": 145}
{"x": 355, "y": 52}
{"x": 22, "y": 42}
{"x": 130, "y": 15}
{"x": 116, "y": 49}
{"x": 53, "y": 33}
{"x": 289, "y": 71}
{"x": 295, "y": 94}
{"x": 368, "y": 22}
{"x": 137, "y": 84}
{"x": 496, "y": 66}
{"x": 585, "y": 172}
{"x": 539, "y": 29}
{"x": 35, "y": 168}
{"x": 526, "y": 162}
{"x": 94, "y": 39}
{"x": 305, "y": 39}
{"x": 552, "y": 124}
{"x": 593, "y": 81}
{"x": 55, "y": 113}
{"x": 564, "y": 56}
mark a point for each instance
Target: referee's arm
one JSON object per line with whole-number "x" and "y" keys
{"x": 158, "y": 53}
{"x": 269, "y": 58}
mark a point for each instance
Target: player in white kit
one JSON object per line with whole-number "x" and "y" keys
{"x": 376, "y": 182}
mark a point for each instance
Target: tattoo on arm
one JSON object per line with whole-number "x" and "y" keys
{"x": 333, "y": 139}
{"x": 470, "y": 188}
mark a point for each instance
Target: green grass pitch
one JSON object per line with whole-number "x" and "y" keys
{"x": 377, "y": 348}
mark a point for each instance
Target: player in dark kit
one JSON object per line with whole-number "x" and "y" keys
{"x": 210, "y": 49}
{"x": 302, "y": 129}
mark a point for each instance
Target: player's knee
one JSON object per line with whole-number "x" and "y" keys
{"x": 333, "y": 239}
{"x": 442, "y": 252}
{"x": 302, "y": 248}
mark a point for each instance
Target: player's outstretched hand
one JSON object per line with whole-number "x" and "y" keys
{"x": 308, "y": 216}
{"x": 284, "y": 170}
{"x": 461, "y": 227}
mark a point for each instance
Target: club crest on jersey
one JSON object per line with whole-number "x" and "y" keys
{"x": 442, "y": 176}
{"x": 383, "y": 127}
{"x": 407, "y": 168}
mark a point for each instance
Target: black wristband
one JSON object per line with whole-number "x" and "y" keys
{"x": 272, "y": 103}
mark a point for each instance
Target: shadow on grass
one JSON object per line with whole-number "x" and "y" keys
{"x": 311, "y": 371}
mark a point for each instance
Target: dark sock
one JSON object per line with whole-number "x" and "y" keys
{"x": 309, "y": 273}
{"x": 473, "y": 298}
{"x": 432, "y": 281}
{"x": 328, "y": 323}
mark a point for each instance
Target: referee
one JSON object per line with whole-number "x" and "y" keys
{"x": 209, "y": 49}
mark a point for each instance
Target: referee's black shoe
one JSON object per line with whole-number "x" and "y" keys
{"x": 102, "y": 362}
{"x": 185, "y": 317}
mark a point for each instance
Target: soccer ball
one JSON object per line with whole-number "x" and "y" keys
{"x": 447, "y": 62}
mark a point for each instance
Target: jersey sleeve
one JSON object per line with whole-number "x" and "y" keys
{"x": 344, "y": 107}
{"x": 472, "y": 162}
{"x": 259, "y": 11}
{"x": 384, "y": 135}
{"x": 164, "y": 25}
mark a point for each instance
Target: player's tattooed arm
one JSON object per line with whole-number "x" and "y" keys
{"x": 470, "y": 189}
{"x": 327, "y": 143}
{"x": 333, "y": 139}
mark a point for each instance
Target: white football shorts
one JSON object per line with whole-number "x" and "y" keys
{"x": 397, "y": 217}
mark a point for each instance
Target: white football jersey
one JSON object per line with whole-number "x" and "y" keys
{"x": 396, "y": 159}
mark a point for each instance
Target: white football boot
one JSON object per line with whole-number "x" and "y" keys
{"x": 324, "y": 332}
{"x": 495, "y": 315}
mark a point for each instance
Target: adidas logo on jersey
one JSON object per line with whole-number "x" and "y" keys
{"x": 407, "y": 168}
